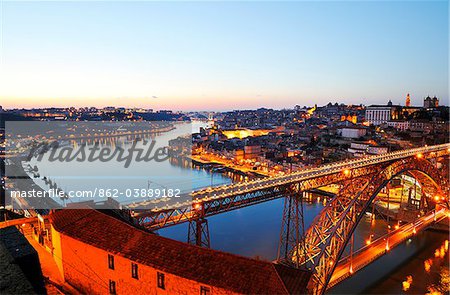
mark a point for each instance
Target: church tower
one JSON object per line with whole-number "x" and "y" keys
{"x": 408, "y": 100}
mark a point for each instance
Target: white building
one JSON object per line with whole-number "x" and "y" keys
{"x": 399, "y": 124}
{"x": 358, "y": 149}
{"x": 380, "y": 114}
{"x": 362, "y": 149}
{"x": 352, "y": 132}
{"x": 377, "y": 115}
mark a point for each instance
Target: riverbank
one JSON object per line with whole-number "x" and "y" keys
{"x": 18, "y": 180}
{"x": 197, "y": 160}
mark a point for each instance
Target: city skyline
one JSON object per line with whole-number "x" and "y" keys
{"x": 121, "y": 106}
{"x": 222, "y": 56}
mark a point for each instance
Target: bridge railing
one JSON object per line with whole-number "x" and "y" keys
{"x": 320, "y": 171}
{"x": 216, "y": 194}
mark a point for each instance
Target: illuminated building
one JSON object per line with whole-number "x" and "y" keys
{"x": 430, "y": 103}
{"x": 408, "y": 101}
{"x": 243, "y": 133}
{"x": 99, "y": 254}
{"x": 349, "y": 118}
{"x": 401, "y": 125}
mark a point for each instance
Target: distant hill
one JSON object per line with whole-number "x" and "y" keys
{"x": 11, "y": 117}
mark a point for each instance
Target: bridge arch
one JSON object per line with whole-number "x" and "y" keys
{"x": 330, "y": 232}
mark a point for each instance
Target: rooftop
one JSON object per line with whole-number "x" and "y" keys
{"x": 210, "y": 267}
{"x": 383, "y": 106}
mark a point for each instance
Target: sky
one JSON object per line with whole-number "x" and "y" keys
{"x": 222, "y": 55}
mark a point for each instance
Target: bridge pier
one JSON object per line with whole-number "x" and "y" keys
{"x": 292, "y": 230}
{"x": 198, "y": 232}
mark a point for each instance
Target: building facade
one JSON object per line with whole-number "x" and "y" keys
{"x": 381, "y": 114}
{"x": 99, "y": 254}
{"x": 352, "y": 132}
{"x": 401, "y": 125}
{"x": 361, "y": 149}
{"x": 430, "y": 103}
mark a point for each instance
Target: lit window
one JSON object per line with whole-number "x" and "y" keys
{"x": 161, "y": 281}
{"x": 110, "y": 261}
{"x": 205, "y": 290}
{"x": 134, "y": 270}
{"x": 112, "y": 287}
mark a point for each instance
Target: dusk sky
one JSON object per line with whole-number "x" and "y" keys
{"x": 222, "y": 55}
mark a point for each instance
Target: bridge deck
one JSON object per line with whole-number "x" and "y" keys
{"x": 240, "y": 188}
{"x": 159, "y": 213}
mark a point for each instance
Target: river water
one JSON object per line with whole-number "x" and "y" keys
{"x": 254, "y": 232}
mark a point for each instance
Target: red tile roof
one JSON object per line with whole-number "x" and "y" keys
{"x": 210, "y": 267}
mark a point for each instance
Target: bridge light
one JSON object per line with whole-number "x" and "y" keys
{"x": 368, "y": 242}
{"x": 397, "y": 226}
{"x": 414, "y": 231}
{"x": 436, "y": 253}
{"x": 197, "y": 206}
{"x": 419, "y": 156}
{"x": 436, "y": 198}
{"x": 346, "y": 172}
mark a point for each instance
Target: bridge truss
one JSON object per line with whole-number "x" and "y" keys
{"x": 320, "y": 247}
{"x": 330, "y": 232}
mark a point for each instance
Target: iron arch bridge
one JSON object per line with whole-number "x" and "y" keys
{"x": 319, "y": 247}
{"x": 323, "y": 243}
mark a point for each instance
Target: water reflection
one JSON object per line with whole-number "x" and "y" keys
{"x": 389, "y": 274}
{"x": 442, "y": 284}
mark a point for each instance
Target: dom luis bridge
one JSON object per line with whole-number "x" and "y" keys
{"x": 320, "y": 247}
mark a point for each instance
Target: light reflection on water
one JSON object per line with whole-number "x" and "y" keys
{"x": 410, "y": 268}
